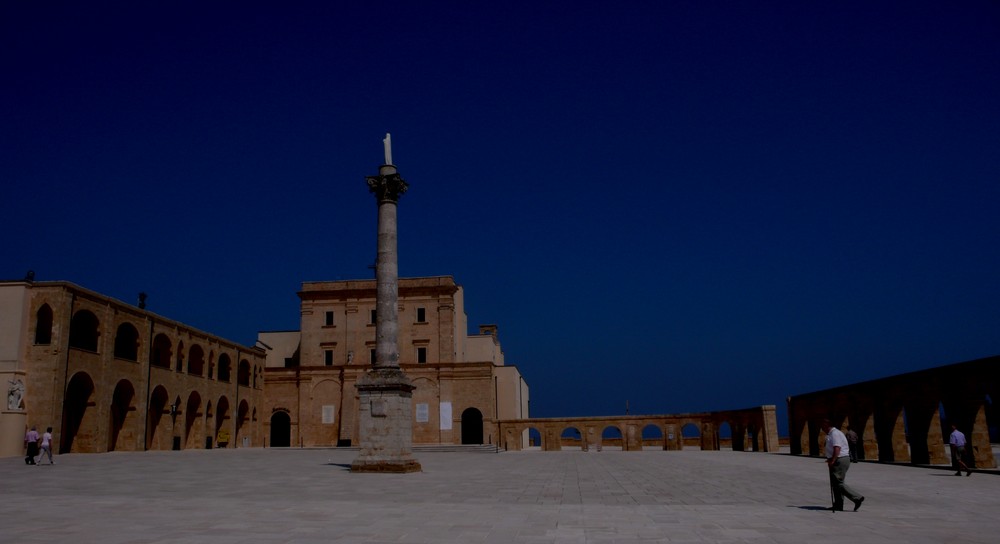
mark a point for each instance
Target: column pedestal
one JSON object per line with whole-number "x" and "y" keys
{"x": 385, "y": 425}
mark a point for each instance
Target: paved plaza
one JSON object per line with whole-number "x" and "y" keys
{"x": 294, "y": 495}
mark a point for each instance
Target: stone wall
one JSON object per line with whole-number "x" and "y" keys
{"x": 906, "y": 418}
{"x": 753, "y": 429}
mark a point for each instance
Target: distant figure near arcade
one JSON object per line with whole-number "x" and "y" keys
{"x": 385, "y": 418}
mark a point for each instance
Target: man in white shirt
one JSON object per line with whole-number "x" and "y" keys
{"x": 838, "y": 460}
{"x": 957, "y": 442}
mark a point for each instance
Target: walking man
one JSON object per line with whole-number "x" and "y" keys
{"x": 957, "y": 442}
{"x": 852, "y": 441}
{"x": 838, "y": 461}
{"x": 31, "y": 443}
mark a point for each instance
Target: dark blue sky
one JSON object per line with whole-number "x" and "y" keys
{"x": 685, "y": 205}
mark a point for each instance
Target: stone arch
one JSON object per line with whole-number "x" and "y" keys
{"x": 725, "y": 435}
{"x": 752, "y": 437}
{"x": 43, "y": 325}
{"x": 992, "y": 411}
{"x": 124, "y": 422}
{"x": 243, "y": 373}
{"x": 156, "y": 434}
{"x": 194, "y": 421}
{"x": 653, "y": 437}
{"x": 472, "y": 426}
{"x": 690, "y": 435}
{"x": 571, "y": 438}
{"x": 84, "y": 329}
{"x": 534, "y": 439}
{"x": 79, "y": 423}
{"x": 281, "y": 430}
{"x": 160, "y": 356}
{"x": 221, "y": 417}
{"x": 889, "y": 431}
{"x": 612, "y": 438}
{"x": 127, "y": 342}
{"x": 923, "y": 431}
{"x": 225, "y": 368}
{"x": 196, "y": 360}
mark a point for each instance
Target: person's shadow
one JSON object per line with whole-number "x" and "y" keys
{"x": 820, "y": 508}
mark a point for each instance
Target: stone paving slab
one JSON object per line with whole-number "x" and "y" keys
{"x": 309, "y": 496}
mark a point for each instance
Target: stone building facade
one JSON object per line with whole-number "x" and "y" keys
{"x": 463, "y": 386}
{"x": 110, "y": 376}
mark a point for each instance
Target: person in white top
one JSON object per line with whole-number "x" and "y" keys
{"x": 46, "y": 447}
{"x": 957, "y": 442}
{"x": 838, "y": 459}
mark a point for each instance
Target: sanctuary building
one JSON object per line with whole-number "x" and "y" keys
{"x": 463, "y": 386}
{"x": 111, "y": 376}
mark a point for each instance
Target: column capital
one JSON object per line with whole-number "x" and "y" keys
{"x": 386, "y": 187}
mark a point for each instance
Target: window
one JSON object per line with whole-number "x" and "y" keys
{"x": 243, "y": 373}
{"x": 225, "y": 368}
{"x": 196, "y": 360}
{"x": 421, "y": 315}
{"x": 421, "y": 355}
{"x": 329, "y": 357}
{"x": 373, "y": 356}
{"x": 83, "y": 331}
{"x": 160, "y": 357}
{"x": 329, "y": 319}
{"x": 43, "y": 325}
{"x": 373, "y": 317}
{"x": 127, "y": 342}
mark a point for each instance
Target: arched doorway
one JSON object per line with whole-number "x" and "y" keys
{"x": 222, "y": 436}
{"x": 78, "y": 394}
{"x": 157, "y": 425}
{"x": 194, "y": 421}
{"x": 242, "y": 416}
{"x": 281, "y": 430}
{"x": 472, "y": 426}
{"x": 121, "y": 410}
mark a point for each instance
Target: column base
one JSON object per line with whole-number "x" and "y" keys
{"x": 385, "y": 423}
{"x": 387, "y": 466}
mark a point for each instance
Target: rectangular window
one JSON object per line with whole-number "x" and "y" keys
{"x": 329, "y": 357}
{"x": 421, "y": 315}
{"x": 373, "y": 356}
{"x": 329, "y": 319}
{"x": 421, "y": 355}
{"x": 373, "y": 317}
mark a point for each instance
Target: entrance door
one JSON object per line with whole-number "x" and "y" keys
{"x": 472, "y": 426}
{"x": 281, "y": 430}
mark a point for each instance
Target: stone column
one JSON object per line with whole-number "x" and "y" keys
{"x": 385, "y": 432}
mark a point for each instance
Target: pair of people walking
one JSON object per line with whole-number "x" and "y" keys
{"x": 38, "y": 445}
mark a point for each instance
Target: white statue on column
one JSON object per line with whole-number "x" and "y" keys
{"x": 387, "y": 144}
